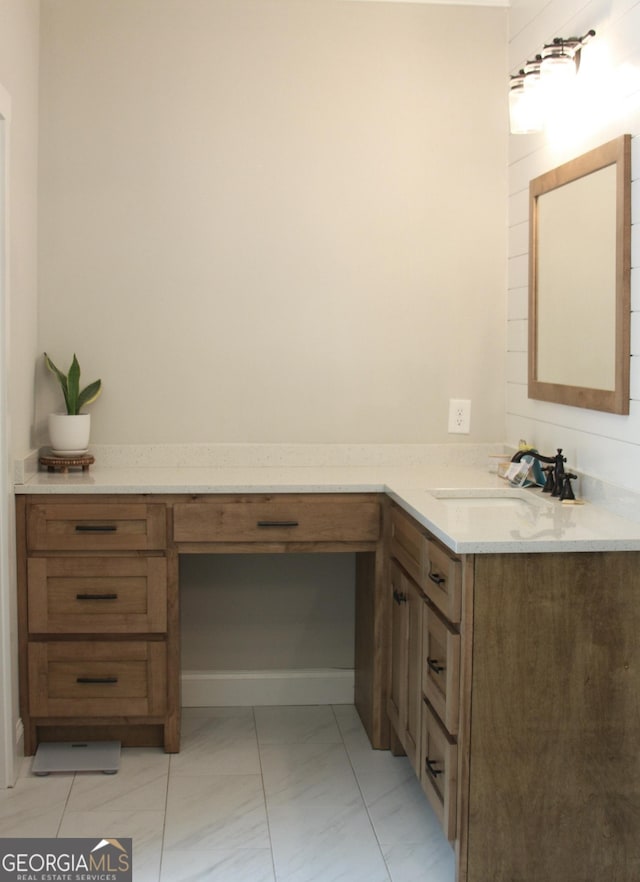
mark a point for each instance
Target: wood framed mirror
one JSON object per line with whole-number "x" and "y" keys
{"x": 579, "y": 280}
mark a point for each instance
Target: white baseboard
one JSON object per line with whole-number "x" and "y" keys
{"x": 250, "y": 688}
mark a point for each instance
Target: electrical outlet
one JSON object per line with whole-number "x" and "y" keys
{"x": 459, "y": 416}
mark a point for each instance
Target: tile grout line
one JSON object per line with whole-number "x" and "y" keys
{"x": 164, "y": 818}
{"x": 264, "y": 793}
{"x": 66, "y": 803}
{"x": 364, "y": 802}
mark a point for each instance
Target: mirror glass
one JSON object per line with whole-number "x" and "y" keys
{"x": 579, "y": 272}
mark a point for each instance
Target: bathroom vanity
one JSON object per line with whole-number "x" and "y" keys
{"x": 99, "y": 600}
{"x": 518, "y": 682}
{"x": 496, "y": 641}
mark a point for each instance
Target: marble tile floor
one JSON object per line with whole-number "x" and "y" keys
{"x": 265, "y": 794}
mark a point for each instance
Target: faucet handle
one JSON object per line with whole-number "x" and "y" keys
{"x": 566, "y": 491}
{"x": 549, "y": 482}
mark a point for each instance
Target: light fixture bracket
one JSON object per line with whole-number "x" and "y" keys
{"x": 570, "y": 46}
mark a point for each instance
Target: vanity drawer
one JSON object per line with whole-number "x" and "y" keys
{"x": 439, "y": 771}
{"x": 96, "y": 527}
{"x": 442, "y": 582}
{"x": 97, "y": 595}
{"x": 97, "y": 679}
{"x": 441, "y": 667}
{"x": 305, "y": 519}
{"x": 408, "y": 545}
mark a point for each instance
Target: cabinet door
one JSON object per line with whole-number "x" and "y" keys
{"x": 413, "y": 715}
{"x": 405, "y": 689}
{"x": 397, "y": 701}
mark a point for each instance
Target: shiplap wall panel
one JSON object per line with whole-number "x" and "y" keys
{"x": 518, "y": 239}
{"x": 517, "y": 305}
{"x": 604, "y": 445}
{"x": 517, "y": 335}
{"x": 635, "y": 334}
{"x": 635, "y": 287}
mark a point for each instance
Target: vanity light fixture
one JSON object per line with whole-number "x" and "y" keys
{"x": 525, "y": 104}
{"x": 517, "y": 104}
{"x": 542, "y": 81}
{"x": 561, "y": 59}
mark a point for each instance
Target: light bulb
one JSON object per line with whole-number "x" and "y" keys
{"x": 558, "y": 66}
{"x": 525, "y": 108}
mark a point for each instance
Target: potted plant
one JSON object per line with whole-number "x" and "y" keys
{"x": 69, "y": 432}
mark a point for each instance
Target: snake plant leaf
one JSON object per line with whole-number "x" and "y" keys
{"x": 62, "y": 378}
{"x": 73, "y": 386}
{"x": 89, "y": 394}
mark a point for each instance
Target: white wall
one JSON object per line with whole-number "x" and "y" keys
{"x": 267, "y": 612}
{"x": 274, "y": 220}
{"x": 604, "y": 445}
{"x": 19, "y": 23}
{"x": 19, "y": 34}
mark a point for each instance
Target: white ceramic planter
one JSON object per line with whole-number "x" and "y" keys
{"x": 69, "y": 434}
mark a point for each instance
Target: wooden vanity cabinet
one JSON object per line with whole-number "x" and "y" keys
{"x": 98, "y": 600}
{"x": 511, "y": 680}
{"x": 93, "y": 623}
{"x": 534, "y": 739}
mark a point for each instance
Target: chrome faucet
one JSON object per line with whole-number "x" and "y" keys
{"x": 557, "y": 482}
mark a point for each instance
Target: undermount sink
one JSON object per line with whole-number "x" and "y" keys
{"x": 505, "y": 498}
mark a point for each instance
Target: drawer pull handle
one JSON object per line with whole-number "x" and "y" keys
{"x": 96, "y": 528}
{"x": 277, "y": 523}
{"x": 435, "y": 666}
{"x": 437, "y": 578}
{"x": 96, "y": 680}
{"x": 399, "y": 597}
{"x": 430, "y": 767}
{"x": 96, "y": 596}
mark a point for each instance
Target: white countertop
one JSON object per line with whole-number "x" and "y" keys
{"x": 501, "y": 525}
